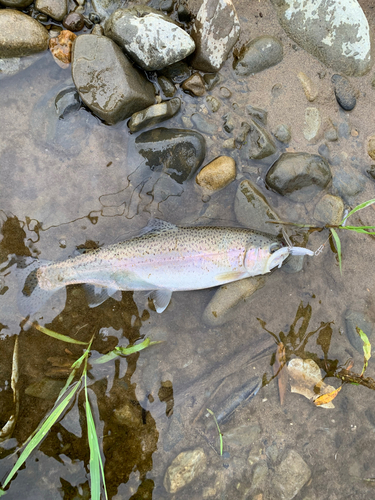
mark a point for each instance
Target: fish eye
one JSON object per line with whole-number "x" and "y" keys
{"x": 274, "y": 247}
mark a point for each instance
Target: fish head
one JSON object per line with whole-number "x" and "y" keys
{"x": 261, "y": 259}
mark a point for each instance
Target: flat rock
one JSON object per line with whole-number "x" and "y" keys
{"x": 329, "y": 210}
{"x": 334, "y": 31}
{"x": 344, "y": 92}
{"x": 215, "y": 31}
{"x": 154, "y": 114}
{"x": 257, "y": 55}
{"x": 149, "y": 37}
{"x": 290, "y": 476}
{"x": 179, "y": 153}
{"x": 253, "y": 210}
{"x": 312, "y": 124}
{"x": 106, "y": 80}
{"x": 56, "y": 9}
{"x": 261, "y": 143}
{"x": 16, "y": 4}
{"x": 299, "y": 176}
{"x": 194, "y": 85}
{"x": 348, "y": 184}
{"x": 184, "y": 469}
{"x": 282, "y": 133}
{"x": 21, "y": 35}
{"x": 223, "y": 305}
{"x": 217, "y": 174}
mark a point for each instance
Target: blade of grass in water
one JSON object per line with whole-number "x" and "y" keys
{"x": 125, "y": 351}
{"x": 338, "y": 246}
{"x": 58, "y": 336}
{"x": 41, "y": 433}
{"x": 358, "y": 207}
{"x": 359, "y": 229}
{"x": 218, "y": 428}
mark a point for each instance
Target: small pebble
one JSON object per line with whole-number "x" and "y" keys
{"x": 225, "y": 93}
{"x": 94, "y": 18}
{"x": 213, "y": 103}
{"x": 282, "y": 133}
{"x": 74, "y": 22}
{"x": 344, "y": 92}
{"x": 194, "y": 85}
{"x": 308, "y": 86}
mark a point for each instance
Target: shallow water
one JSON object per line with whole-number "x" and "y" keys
{"x": 68, "y": 183}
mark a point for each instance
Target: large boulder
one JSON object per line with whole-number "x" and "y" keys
{"x": 21, "y": 35}
{"x": 106, "y": 80}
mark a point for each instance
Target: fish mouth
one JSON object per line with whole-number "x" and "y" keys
{"x": 277, "y": 258}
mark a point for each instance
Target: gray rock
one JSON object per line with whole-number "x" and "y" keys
{"x": 21, "y": 35}
{"x": 260, "y": 143}
{"x": 334, "y": 31}
{"x": 243, "y": 436}
{"x": 216, "y": 29}
{"x": 184, "y": 469}
{"x": 56, "y": 9}
{"x": 175, "y": 432}
{"x": 203, "y": 124}
{"x": 344, "y": 92}
{"x": 105, "y": 8}
{"x": 154, "y": 114}
{"x": 177, "y": 72}
{"x": 290, "y": 476}
{"x": 150, "y": 38}
{"x": 329, "y": 210}
{"x": 194, "y": 85}
{"x": 164, "y": 5}
{"x": 259, "y": 475}
{"x": 354, "y": 319}
{"x": 299, "y": 176}
{"x": 224, "y": 304}
{"x": 166, "y": 86}
{"x": 212, "y": 103}
{"x": 312, "y": 124}
{"x": 211, "y": 80}
{"x": 348, "y": 185}
{"x": 179, "y": 153}
{"x": 229, "y": 123}
{"x": 258, "y": 114}
{"x": 16, "y": 4}
{"x": 252, "y": 209}
{"x": 343, "y": 130}
{"x": 331, "y": 133}
{"x": 106, "y": 81}
{"x": 67, "y": 101}
{"x": 257, "y": 55}
{"x": 11, "y": 65}
{"x": 282, "y": 133}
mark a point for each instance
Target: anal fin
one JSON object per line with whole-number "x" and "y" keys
{"x": 161, "y": 299}
{"x": 96, "y": 295}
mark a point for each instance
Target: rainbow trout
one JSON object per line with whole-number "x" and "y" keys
{"x": 162, "y": 259}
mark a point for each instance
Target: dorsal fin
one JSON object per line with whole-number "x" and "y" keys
{"x": 157, "y": 226}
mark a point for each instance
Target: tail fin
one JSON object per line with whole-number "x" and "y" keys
{"x": 31, "y": 297}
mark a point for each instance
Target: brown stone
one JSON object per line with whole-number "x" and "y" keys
{"x": 217, "y": 174}
{"x": 61, "y": 46}
{"x": 194, "y": 85}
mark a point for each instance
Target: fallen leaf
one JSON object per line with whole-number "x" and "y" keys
{"x": 366, "y": 348}
{"x": 281, "y": 371}
{"x": 327, "y": 398}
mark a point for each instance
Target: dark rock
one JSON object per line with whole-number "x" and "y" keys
{"x": 106, "y": 80}
{"x": 104, "y": 8}
{"x": 46, "y": 388}
{"x": 154, "y": 114}
{"x": 299, "y": 176}
{"x": 343, "y": 130}
{"x": 358, "y": 319}
{"x": 211, "y": 79}
{"x": 258, "y": 55}
{"x": 94, "y": 18}
{"x": 344, "y": 92}
{"x": 194, "y": 85}
{"x": 177, "y": 72}
{"x": 184, "y": 15}
{"x": 150, "y": 38}
{"x": 21, "y": 35}
{"x": 42, "y": 18}
{"x": 261, "y": 144}
{"x": 282, "y": 133}
{"x": 257, "y": 113}
{"x": 74, "y": 22}
{"x": 348, "y": 184}
{"x": 179, "y": 153}
{"x": 166, "y": 86}
{"x": 229, "y": 124}
{"x": 67, "y": 101}
{"x": 164, "y": 5}
{"x": 56, "y": 9}
{"x": 215, "y": 31}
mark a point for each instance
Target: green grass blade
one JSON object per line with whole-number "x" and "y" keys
{"x": 358, "y": 207}
{"x": 125, "y": 351}
{"x": 366, "y": 348}
{"x": 96, "y": 464}
{"x": 58, "y": 336}
{"x": 338, "y": 246}
{"x": 218, "y": 428}
{"x": 359, "y": 229}
{"x": 41, "y": 432}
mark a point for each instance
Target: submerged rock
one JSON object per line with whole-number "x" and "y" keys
{"x": 354, "y": 319}
{"x": 299, "y": 176}
{"x": 334, "y": 31}
{"x": 21, "y": 35}
{"x": 255, "y": 141}
{"x": 184, "y": 469}
{"x": 282, "y": 133}
{"x": 194, "y": 85}
{"x": 178, "y": 153}
{"x": 67, "y": 101}
{"x": 290, "y": 476}
{"x": 344, "y": 92}
{"x": 217, "y": 174}
{"x": 166, "y": 86}
{"x": 150, "y": 38}
{"x": 154, "y": 114}
{"x": 106, "y": 80}
{"x": 329, "y": 210}
{"x": 257, "y": 55}
{"x": 215, "y": 31}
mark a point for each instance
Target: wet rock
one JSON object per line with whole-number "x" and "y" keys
{"x": 344, "y": 92}
{"x": 299, "y": 176}
{"x": 175, "y": 432}
{"x": 216, "y": 29}
{"x": 354, "y": 319}
{"x": 166, "y": 86}
{"x": 56, "y": 9}
{"x": 21, "y": 35}
{"x": 67, "y": 101}
{"x": 74, "y": 22}
{"x": 177, "y": 72}
{"x": 179, "y": 153}
{"x": 128, "y": 415}
{"x": 11, "y": 65}
{"x": 154, "y": 114}
{"x": 282, "y": 133}
{"x": 261, "y": 144}
{"x": 334, "y": 31}
{"x": 223, "y": 305}
{"x": 257, "y": 113}
{"x": 97, "y": 30}
{"x": 203, "y": 124}
{"x": 259, "y": 475}
{"x": 104, "y": 8}
{"x": 16, "y": 4}
{"x": 312, "y": 124}
{"x": 242, "y": 436}
{"x": 290, "y": 476}
{"x": 331, "y": 133}
{"x": 329, "y": 210}
{"x": 348, "y": 185}
{"x": 106, "y": 81}
{"x": 257, "y": 55}
{"x": 212, "y": 103}
{"x": 94, "y": 18}
{"x": 184, "y": 14}
{"x": 61, "y": 46}
{"x": 253, "y": 210}
{"x": 217, "y": 174}
{"x": 194, "y": 85}
{"x": 164, "y": 5}
{"x": 229, "y": 143}
{"x": 309, "y": 88}
{"x": 229, "y": 124}
{"x": 47, "y": 388}
{"x": 211, "y": 80}
{"x": 150, "y": 38}
{"x": 184, "y": 469}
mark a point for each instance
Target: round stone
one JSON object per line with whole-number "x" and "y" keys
{"x": 344, "y": 92}
{"x": 217, "y": 174}
{"x": 329, "y": 210}
{"x": 74, "y": 22}
{"x": 258, "y": 55}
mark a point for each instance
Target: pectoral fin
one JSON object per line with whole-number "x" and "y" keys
{"x": 96, "y": 295}
{"x": 161, "y": 299}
